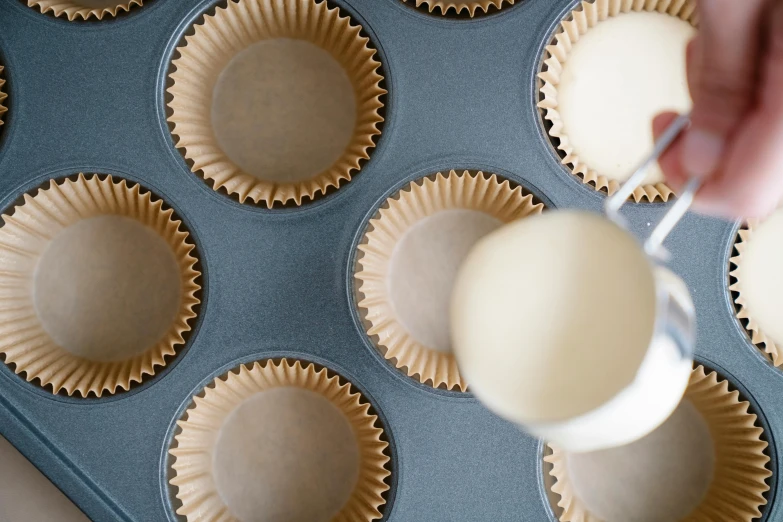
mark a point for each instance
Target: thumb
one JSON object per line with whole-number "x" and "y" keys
{"x": 723, "y": 75}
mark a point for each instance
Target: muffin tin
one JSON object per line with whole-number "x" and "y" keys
{"x": 90, "y": 96}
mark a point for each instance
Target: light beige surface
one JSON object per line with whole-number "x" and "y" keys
{"x": 283, "y": 110}
{"x": 26, "y": 495}
{"x": 286, "y": 455}
{"x": 107, "y": 288}
{"x": 760, "y": 276}
{"x": 424, "y": 266}
{"x": 617, "y": 77}
{"x": 552, "y": 316}
{"x": 660, "y": 478}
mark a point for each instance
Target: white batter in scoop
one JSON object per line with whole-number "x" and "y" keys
{"x": 552, "y": 322}
{"x": 617, "y": 77}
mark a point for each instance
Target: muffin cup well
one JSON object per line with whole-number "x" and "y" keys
{"x": 73, "y": 9}
{"x": 419, "y": 200}
{"x": 233, "y": 29}
{"x": 736, "y": 492}
{"x": 579, "y": 21}
{"x": 459, "y": 6}
{"x": 195, "y": 444}
{"x": 30, "y": 230}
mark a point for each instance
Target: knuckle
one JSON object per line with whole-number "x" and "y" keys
{"x": 731, "y": 88}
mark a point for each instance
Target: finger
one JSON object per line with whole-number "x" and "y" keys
{"x": 691, "y": 64}
{"x": 670, "y": 160}
{"x": 772, "y": 73}
{"x": 724, "y": 76}
{"x": 752, "y": 182}
{"x": 753, "y": 185}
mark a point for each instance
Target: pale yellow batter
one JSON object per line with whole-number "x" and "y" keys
{"x": 552, "y": 316}
{"x": 760, "y": 276}
{"x": 617, "y": 77}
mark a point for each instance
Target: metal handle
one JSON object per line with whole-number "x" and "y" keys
{"x": 654, "y": 244}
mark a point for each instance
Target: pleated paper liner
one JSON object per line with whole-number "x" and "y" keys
{"x": 582, "y": 19}
{"x": 759, "y": 313}
{"x": 736, "y": 489}
{"x": 98, "y": 284}
{"x": 315, "y": 429}
{"x": 3, "y": 96}
{"x": 395, "y": 265}
{"x": 460, "y": 7}
{"x": 307, "y": 45}
{"x": 84, "y": 9}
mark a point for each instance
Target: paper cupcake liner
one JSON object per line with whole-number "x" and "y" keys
{"x": 3, "y": 96}
{"x": 420, "y": 199}
{"x": 195, "y": 444}
{"x": 737, "y": 490}
{"x": 458, "y": 6}
{"x": 576, "y": 24}
{"x": 221, "y": 37}
{"x": 25, "y": 235}
{"x": 74, "y": 9}
{"x": 757, "y": 335}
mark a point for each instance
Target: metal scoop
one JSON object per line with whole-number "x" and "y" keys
{"x": 663, "y": 375}
{"x": 653, "y": 246}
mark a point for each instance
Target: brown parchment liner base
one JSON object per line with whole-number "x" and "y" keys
{"x": 221, "y": 37}
{"x": 3, "y": 96}
{"x": 736, "y": 493}
{"x": 201, "y": 425}
{"x": 420, "y": 199}
{"x": 757, "y": 336}
{"x": 26, "y": 233}
{"x": 458, "y": 6}
{"x": 74, "y": 9}
{"x": 576, "y": 24}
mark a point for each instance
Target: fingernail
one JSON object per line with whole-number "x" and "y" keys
{"x": 702, "y": 152}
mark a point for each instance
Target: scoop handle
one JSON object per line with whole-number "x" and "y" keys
{"x": 654, "y": 244}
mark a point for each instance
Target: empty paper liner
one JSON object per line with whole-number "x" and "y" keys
{"x": 84, "y": 9}
{"x": 756, "y": 284}
{"x": 706, "y": 463}
{"x": 409, "y": 259}
{"x": 610, "y": 68}
{"x": 3, "y": 96}
{"x": 460, "y": 6}
{"x": 97, "y": 286}
{"x": 278, "y": 442}
{"x": 276, "y": 101}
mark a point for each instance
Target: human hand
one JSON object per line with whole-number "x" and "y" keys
{"x": 735, "y": 143}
